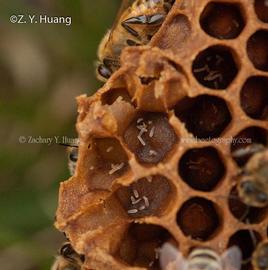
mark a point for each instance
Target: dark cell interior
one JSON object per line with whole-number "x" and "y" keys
{"x": 261, "y": 9}
{"x": 145, "y": 197}
{"x": 254, "y": 97}
{"x": 150, "y": 137}
{"x": 109, "y": 97}
{"x": 198, "y": 219}
{"x": 222, "y": 20}
{"x": 215, "y": 67}
{"x": 243, "y": 212}
{"x": 201, "y": 168}
{"x": 105, "y": 160}
{"x": 245, "y": 240}
{"x": 257, "y": 48}
{"x": 245, "y": 140}
{"x": 205, "y": 116}
{"x": 141, "y": 244}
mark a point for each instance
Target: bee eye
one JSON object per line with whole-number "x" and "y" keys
{"x": 262, "y": 197}
{"x": 263, "y": 262}
{"x": 248, "y": 187}
{"x": 73, "y": 155}
{"x": 104, "y": 71}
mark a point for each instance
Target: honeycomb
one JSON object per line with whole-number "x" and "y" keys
{"x": 155, "y": 156}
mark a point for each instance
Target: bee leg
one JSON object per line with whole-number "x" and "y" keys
{"x": 249, "y": 150}
{"x": 253, "y": 236}
{"x": 131, "y": 42}
{"x": 143, "y": 19}
{"x": 130, "y": 30}
{"x": 111, "y": 63}
{"x": 156, "y": 19}
{"x": 104, "y": 72}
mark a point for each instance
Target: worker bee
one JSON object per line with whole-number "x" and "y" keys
{"x": 136, "y": 23}
{"x": 200, "y": 259}
{"x": 72, "y": 158}
{"x": 72, "y": 150}
{"x": 253, "y": 180}
{"x": 260, "y": 256}
{"x": 68, "y": 259}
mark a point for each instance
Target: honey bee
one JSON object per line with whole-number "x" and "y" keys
{"x": 72, "y": 158}
{"x": 136, "y": 24}
{"x": 253, "y": 180}
{"x": 68, "y": 259}
{"x": 72, "y": 151}
{"x": 200, "y": 259}
{"x": 260, "y": 256}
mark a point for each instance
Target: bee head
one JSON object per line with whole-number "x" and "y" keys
{"x": 252, "y": 194}
{"x": 262, "y": 256}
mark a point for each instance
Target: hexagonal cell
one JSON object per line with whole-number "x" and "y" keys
{"x": 109, "y": 97}
{"x": 198, "y": 218}
{"x": 147, "y": 196}
{"x": 205, "y": 116}
{"x": 201, "y": 168}
{"x": 257, "y": 48}
{"x": 243, "y": 212}
{"x": 150, "y": 137}
{"x": 215, "y": 67}
{"x": 175, "y": 34}
{"x": 254, "y": 97}
{"x": 106, "y": 160}
{"x": 245, "y": 138}
{"x": 222, "y": 20}
{"x": 141, "y": 245}
{"x": 261, "y": 9}
{"x": 245, "y": 240}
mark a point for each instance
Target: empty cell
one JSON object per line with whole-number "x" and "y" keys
{"x": 222, "y": 20}
{"x": 245, "y": 139}
{"x": 204, "y": 116}
{"x": 257, "y": 48}
{"x": 198, "y": 219}
{"x": 146, "y": 197}
{"x": 245, "y": 240}
{"x": 261, "y": 9}
{"x": 150, "y": 137}
{"x": 254, "y": 97}
{"x": 109, "y": 97}
{"x": 215, "y": 67}
{"x": 201, "y": 168}
{"x": 104, "y": 161}
{"x": 141, "y": 245}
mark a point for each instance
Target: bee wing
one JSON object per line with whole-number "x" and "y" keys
{"x": 232, "y": 258}
{"x": 169, "y": 255}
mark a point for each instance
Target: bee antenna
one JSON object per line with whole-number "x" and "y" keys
{"x": 233, "y": 197}
{"x": 66, "y": 144}
{"x": 252, "y": 235}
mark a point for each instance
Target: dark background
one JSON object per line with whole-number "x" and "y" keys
{"x": 43, "y": 67}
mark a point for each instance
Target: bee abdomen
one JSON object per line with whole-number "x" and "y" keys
{"x": 204, "y": 259}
